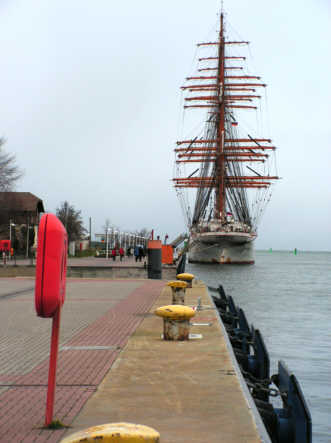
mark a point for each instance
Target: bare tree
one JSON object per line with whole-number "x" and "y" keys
{"x": 72, "y": 221}
{"x": 144, "y": 232}
{"x": 9, "y": 171}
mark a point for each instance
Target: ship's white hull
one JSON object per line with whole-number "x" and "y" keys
{"x": 222, "y": 248}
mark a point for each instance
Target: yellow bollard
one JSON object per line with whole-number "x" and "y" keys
{"x": 176, "y": 321}
{"x": 178, "y": 291}
{"x": 115, "y": 433}
{"x": 186, "y": 277}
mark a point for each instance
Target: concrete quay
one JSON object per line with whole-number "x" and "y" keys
{"x": 90, "y": 267}
{"x": 114, "y": 367}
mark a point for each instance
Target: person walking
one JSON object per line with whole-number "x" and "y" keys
{"x": 121, "y": 251}
{"x": 136, "y": 252}
{"x": 113, "y": 253}
{"x": 141, "y": 253}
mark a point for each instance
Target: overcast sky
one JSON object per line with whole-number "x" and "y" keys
{"x": 90, "y": 106}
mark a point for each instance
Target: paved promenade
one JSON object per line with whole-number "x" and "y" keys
{"x": 97, "y": 319}
{"x": 188, "y": 391}
{"x": 113, "y": 366}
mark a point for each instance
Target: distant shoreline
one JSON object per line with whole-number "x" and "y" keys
{"x": 291, "y": 251}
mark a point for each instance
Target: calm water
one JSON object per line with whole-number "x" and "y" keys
{"x": 288, "y": 298}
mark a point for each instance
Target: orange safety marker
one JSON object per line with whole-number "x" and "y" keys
{"x": 50, "y": 286}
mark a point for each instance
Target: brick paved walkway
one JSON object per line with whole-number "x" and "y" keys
{"x": 98, "y": 318}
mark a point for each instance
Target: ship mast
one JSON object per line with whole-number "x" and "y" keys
{"x": 221, "y": 89}
{"x": 220, "y": 163}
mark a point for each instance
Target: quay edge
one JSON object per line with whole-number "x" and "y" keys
{"x": 187, "y": 391}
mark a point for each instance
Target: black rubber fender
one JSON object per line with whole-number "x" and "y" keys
{"x": 269, "y": 417}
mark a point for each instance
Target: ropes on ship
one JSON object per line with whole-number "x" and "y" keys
{"x": 207, "y": 169}
{"x": 231, "y": 169}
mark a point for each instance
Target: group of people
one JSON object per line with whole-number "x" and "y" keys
{"x": 138, "y": 252}
{"x": 120, "y": 253}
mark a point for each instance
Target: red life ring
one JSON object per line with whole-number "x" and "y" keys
{"x": 51, "y": 266}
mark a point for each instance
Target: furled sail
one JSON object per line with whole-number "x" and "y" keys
{"x": 229, "y": 169}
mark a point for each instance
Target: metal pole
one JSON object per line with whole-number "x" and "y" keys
{"x": 52, "y": 367}
{"x": 90, "y": 223}
{"x": 9, "y": 238}
{"x": 107, "y": 243}
{"x": 27, "y": 241}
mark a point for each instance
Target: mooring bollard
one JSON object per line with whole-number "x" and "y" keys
{"x": 178, "y": 289}
{"x": 186, "y": 277}
{"x": 115, "y": 433}
{"x": 176, "y": 321}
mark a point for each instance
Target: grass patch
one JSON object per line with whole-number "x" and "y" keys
{"x": 85, "y": 253}
{"x": 56, "y": 424}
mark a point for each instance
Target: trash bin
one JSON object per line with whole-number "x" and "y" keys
{"x": 154, "y": 258}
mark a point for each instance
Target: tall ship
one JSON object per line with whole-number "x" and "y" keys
{"x": 224, "y": 173}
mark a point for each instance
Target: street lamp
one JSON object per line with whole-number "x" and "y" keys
{"x": 10, "y": 225}
{"x": 108, "y": 229}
